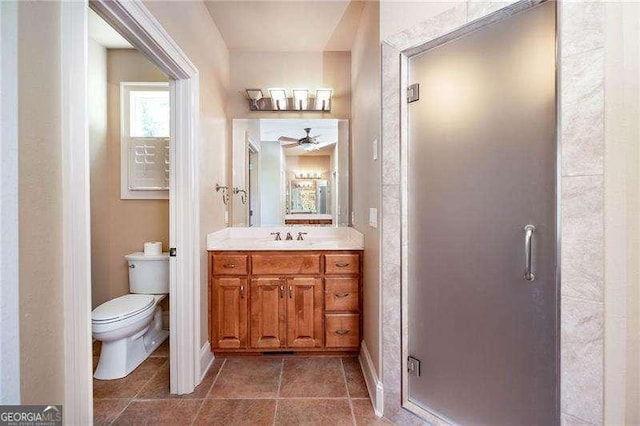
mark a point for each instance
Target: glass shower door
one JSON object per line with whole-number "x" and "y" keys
{"x": 482, "y": 296}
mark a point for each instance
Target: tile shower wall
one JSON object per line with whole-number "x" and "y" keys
{"x": 582, "y": 200}
{"x": 582, "y": 141}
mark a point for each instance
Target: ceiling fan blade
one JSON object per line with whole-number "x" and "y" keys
{"x": 287, "y": 139}
{"x": 288, "y": 144}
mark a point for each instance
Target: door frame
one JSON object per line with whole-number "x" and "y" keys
{"x": 135, "y": 23}
{"x": 404, "y": 57}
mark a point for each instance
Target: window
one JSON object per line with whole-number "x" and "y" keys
{"x": 145, "y": 117}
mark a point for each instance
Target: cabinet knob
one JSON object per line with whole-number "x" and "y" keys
{"x": 342, "y": 265}
{"x": 341, "y": 295}
{"x": 342, "y": 332}
{"x": 229, "y": 265}
{"x": 241, "y": 292}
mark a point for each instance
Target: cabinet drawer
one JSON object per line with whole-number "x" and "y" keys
{"x": 230, "y": 264}
{"x": 341, "y": 294}
{"x": 342, "y": 263}
{"x": 274, "y": 264}
{"x": 342, "y": 330}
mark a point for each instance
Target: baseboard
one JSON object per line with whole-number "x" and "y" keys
{"x": 374, "y": 385}
{"x": 206, "y": 359}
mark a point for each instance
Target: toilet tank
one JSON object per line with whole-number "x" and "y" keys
{"x": 148, "y": 274}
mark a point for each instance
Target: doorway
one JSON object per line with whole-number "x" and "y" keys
{"x": 481, "y": 344}
{"x": 136, "y": 24}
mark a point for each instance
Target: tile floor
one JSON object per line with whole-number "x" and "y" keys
{"x": 271, "y": 390}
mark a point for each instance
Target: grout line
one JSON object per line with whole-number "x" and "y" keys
{"x": 582, "y": 299}
{"x": 198, "y": 411}
{"x": 276, "y": 398}
{"x": 582, "y": 52}
{"x": 215, "y": 379}
{"x": 275, "y": 413}
{"x": 346, "y": 385}
{"x": 150, "y": 378}
{"x": 134, "y": 397}
{"x": 120, "y": 413}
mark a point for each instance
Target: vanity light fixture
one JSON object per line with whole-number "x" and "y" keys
{"x": 301, "y": 98}
{"x": 278, "y": 100}
{"x": 308, "y": 175}
{"x": 255, "y": 95}
{"x": 323, "y": 99}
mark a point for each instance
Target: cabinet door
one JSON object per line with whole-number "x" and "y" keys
{"x": 268, "y": 313}
{"x": 229, "y": 319}
{"x": 304, "y": 312}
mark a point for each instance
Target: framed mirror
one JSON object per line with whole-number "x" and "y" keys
{"x": 290, "y": 172}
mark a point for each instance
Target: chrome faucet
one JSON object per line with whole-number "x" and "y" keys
{"x": 277, "y": 234}
{"x": 289, "y": 237}
{"x": 300, "y": 234}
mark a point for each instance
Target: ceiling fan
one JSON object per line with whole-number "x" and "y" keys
{"x": 306, "y": 142}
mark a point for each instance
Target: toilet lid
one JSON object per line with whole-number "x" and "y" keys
{"x": 122, "y": 307}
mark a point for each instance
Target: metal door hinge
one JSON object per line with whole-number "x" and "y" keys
{"x": 413, "y": 366}
{"x": 172, "y": 252}
{"x": 413, "y": 93}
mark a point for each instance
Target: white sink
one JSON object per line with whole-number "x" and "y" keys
{"x": 316, "y": 238}
{"x": 284, "y": 243}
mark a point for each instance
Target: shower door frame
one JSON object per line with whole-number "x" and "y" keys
{"x": 405, "y": 56}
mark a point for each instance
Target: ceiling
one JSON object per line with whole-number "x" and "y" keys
{"x": 287, "y": 26}
{"x": 103, "y": 34}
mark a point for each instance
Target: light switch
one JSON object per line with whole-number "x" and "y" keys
{"x": 375, "y": 149}
{"x": 373, "y": 217}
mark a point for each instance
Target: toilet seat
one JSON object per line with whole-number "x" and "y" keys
{"x": 122, "y": 308}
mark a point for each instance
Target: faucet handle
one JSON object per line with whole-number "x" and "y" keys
{"x": 300, "y": 234}
{"x": 277, "y": 234}
{"x": 289, "y": 237}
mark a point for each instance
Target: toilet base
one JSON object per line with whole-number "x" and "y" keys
{"x": 119, "y": 358}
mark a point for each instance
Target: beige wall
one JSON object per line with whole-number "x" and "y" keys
{"x": 290, "y": 70}
{"x": 365, "y": 172}
{"x": 622, "y": 222}
{"x": 40, "y": 208}
{"x": 118, "y": 227}
{"x": 98, "y": 166}
{"x": 191, "y": 26}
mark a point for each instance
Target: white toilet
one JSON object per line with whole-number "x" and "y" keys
{"x": 130, "y": 326}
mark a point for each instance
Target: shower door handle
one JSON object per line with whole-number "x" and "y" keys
{"x": 528, "y": 241}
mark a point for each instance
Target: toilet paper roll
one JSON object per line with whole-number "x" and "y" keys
{"x": 153, "y": 248}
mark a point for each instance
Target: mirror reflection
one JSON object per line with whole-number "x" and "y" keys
{"x": 290, "y": 172}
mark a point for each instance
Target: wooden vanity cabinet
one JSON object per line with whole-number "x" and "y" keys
{"x": 229, "y": 305}
{"x": 299, "y": 301}
{"x": 305, "y": 327}
{"x": 268, "y": 305}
